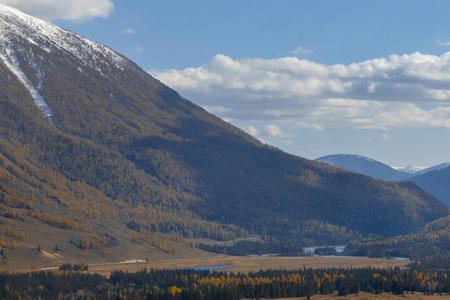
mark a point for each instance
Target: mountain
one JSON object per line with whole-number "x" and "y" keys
{"x": 436, "y": 181}
{"x": 433, "y": 169}
{"x": 364, "y": 165}
{"x": 410, "y": 169}
{"x": 99, "y": 161}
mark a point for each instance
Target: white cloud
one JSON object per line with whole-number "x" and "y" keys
{"x": 139, "y": 49}
{"x": 216, "y": 109}
{"x": 303, "y": 124}
{"x": 252, "y": 130}
{"x": 128, "y": 30}
{"x": 396, "y": 91}
{"x": 74, "y": 10}
{"x": 443, "y": 43}
{"x": 302, "y": 51}
{"x": 273, "y": 130}
{"x": 372, "y": 88}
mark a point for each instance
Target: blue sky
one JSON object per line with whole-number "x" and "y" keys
{"x": 301, "y": 75}
{"x": 176, "y": 34}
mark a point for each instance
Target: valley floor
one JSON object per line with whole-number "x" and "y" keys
{"x": 250, "y": 263}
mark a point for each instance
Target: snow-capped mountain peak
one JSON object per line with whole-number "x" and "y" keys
{"x": 21, "y": 35}
{"x": 410, "y": 169}
{"x": 15, "y": 25}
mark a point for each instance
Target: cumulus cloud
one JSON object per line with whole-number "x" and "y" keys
{"x": 139, "y": 49}
{"x": 128, "y": 30}
{"x": 73, "y": 10}
{"x": 216, "y": 109}
{"x": 252, "y": 130}
{"x": 396, "y": 91}
{"x": 273, "y": 130}
{"x": 443, "y": 43}
{"x": 302, "y": 51}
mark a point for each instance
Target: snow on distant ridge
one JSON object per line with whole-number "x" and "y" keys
{"x": 435, "y": 168}
{"x": 417, "y": 170}
{"x": 410, "y": 169}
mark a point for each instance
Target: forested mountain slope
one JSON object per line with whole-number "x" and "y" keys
{"x": 430, "y": 245}
{"x": 93, "y": 146}
{"x": 436, "y": 182}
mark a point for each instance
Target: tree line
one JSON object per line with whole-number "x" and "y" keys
{"x": 190, "y": 284}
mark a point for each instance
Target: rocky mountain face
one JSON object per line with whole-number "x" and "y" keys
{"x": 109, "y": 162}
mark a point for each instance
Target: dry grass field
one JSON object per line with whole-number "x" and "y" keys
{"x": 128, "y": 245}
{"x": 247, "y": 264}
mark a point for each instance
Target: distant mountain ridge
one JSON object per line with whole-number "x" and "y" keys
{"x": 410, "y": 169}
{"x": 434, "y": 180}
{"x": 364, "y": 165}
{"x": 439, "y": 167}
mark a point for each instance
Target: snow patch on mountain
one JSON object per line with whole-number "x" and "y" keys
{"x": 410, "y": 169}
{"x": 16, "y": 26}
{"x": 20, "y": 33}
{"x": 13, "y": 65}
